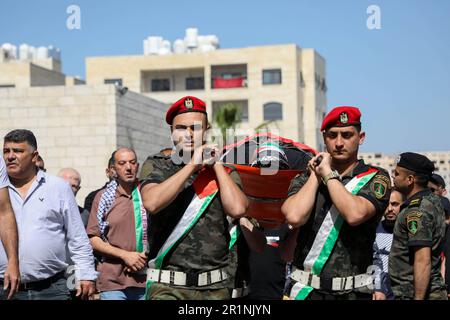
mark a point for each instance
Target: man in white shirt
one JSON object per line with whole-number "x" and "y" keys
{"x": 48, "y": 220}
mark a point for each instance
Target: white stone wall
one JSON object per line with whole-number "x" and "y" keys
{"x": 80, "y": 126}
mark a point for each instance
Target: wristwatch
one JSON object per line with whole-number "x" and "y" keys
{"x": 332, "y": 175}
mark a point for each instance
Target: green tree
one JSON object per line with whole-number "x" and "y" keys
{"x": 227, "y": 117}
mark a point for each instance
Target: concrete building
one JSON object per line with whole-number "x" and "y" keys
{"x": 282, "y": 83}
{"x": 441, "y": 160}
{"x": 78, "y": 125}
{"x": 32, "y": 67}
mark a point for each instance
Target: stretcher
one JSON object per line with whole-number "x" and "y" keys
{"x": 266, "y": 189}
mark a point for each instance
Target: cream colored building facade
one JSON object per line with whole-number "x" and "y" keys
{"x": 78, "y": 125}
{"x": 441, "y": 160}
{"x": 283, "y": 83}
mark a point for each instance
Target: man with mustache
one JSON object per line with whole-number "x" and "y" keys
{"x": 48, "y": 222}
{"x": 337, "y": 209}
{"x": 117, "y": 229}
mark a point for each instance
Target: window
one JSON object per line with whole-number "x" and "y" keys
{"x": 195, "y": 83}
{"x": 160, "y": 85}
{"x": 273, "y": 111}
{"x": 114, "y": 81}
{"x": 272, "y": 76}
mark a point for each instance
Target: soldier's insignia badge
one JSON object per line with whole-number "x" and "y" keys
{"x": 188, "y": 103}
{"x": 380, "y": 186}
{"x": 343, "y": 118}
{"x": 413, "y": 222}
{"x": 415, "y": 203}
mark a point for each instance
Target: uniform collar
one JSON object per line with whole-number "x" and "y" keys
{"x": 361, "y": 167}
{"x": 417, "y": 195}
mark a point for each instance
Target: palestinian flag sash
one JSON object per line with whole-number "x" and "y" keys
{"x": 140, "y": 220}
{"x": 206, "y": 188}
{"x": 327, "y": 236}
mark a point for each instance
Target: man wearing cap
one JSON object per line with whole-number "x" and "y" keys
{"x": 191, "y": 199}
{"x": 415, "y": 261}
{"x": 336, "y": 208}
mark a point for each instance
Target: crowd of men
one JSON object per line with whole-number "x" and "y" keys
{"x": 181, "y": 229}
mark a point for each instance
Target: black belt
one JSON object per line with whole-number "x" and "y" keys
{"x": 40, "y": 284}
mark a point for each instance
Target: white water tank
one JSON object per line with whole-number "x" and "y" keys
{"x": 191, "y": 38}
{"x": 179, "y": 47}
{"x": 9, "y": 51}
{"x": 33, "y": 52}
{"x": 213, "y": 40}
{"x": 24, "y": 52}
{"x": 41, "y": 53}
{"x": 154, "y": 44}
{"x": 165, "y": 48}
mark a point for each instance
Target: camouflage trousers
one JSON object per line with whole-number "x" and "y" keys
{"x": 160, "y": 291}
{"x": 435, "y": 295}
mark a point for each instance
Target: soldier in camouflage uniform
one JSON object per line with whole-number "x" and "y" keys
{"x": 415, "y": 258}
{"x": 336, "y": 208}
{"x": 198, "y": 266}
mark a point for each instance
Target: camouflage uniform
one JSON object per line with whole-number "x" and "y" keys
{"x": 203, "y": 248}
{"x": 420, "y": 223}
{"x": 352, "y": 253}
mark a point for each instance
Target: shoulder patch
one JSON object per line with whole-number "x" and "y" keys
{"x": 415, "y": 202}
{"x": 380, "y": 186}
{"x": 413, "y": 221}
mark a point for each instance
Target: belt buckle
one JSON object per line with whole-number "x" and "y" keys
{"x": 191, "y": 279}
{"x": 326, "y": 284}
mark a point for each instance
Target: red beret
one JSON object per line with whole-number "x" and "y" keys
{"x": 185, "y": 104}
{"x": 341, "y": 117}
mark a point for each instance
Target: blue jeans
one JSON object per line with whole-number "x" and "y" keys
{"x": 130, "y": 293}
{"x": 57, "y": 291}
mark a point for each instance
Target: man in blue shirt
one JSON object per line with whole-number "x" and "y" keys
{"x": 48, "y": 221}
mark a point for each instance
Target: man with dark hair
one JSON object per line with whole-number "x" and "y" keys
{"x": 118, "y": 232}
{"x": 48, "y": 223}
{"x": 8, "y": 237}
{"x": 415, "y": 258}
{"x": 336, "y": 209}
{"x": 192, "y": 199}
